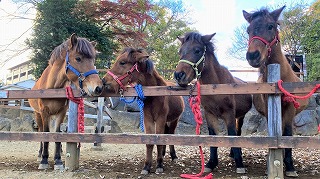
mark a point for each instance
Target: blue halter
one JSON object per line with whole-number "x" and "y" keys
{"x": 81, "y": 76}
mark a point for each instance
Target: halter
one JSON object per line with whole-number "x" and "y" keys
{"x": 268, "y": 44}
{"x": 119, "y": 79}
{"x": 81, "y": 76}
{"x": 195, "y": 65}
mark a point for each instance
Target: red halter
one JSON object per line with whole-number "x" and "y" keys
{"x": 268, "y": 44}
{"x": 119, "y": 79}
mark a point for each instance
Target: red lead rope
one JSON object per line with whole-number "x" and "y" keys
{"x": 288, "y": 97}
{"x": 195, "y": 102}
{"x": 80, "y": 103}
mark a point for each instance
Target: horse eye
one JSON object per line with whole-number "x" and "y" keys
{"x": 78, "y": 59}
{"x": 270, "y": 27}
{"x": 197, "y": 51}
{"x": 122, "y": 63}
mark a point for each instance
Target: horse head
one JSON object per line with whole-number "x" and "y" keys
{"x": 263, "y": 35}
{"x": 127, "y": 69}
{"x": 192, "y": 57}
{"x": 79, "y": 62}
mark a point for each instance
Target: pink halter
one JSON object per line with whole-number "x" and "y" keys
{"x": 119, "y": 79}
{"x": 268, "y": 44}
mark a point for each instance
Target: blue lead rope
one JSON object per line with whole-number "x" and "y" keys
{"x": 140, "y": 103}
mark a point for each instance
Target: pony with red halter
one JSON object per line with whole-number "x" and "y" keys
{"x": 72, "y": 61}
{"x": 161, "y": 113}
{"x": 198, "y": 61}
{"x": 264, "y": 49}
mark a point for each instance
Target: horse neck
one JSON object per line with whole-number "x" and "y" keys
{"x": 153, "y": 79}
{"x": 211, "y": 71}
{"x": 277, "y": 57}
{"x": 56, "y": 76}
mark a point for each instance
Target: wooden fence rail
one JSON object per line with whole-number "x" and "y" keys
{"x": 272, "y": 142}
{"x": 168, "y": 139}
{"x": 212, "y": 89}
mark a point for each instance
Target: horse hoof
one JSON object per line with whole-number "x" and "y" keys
{"x": 58, "y": 167}
{"x": 207, "y": 170}
{"x": 159, "y": 170}
{"x": 43, "y": 166}
{"x": 292, "y": 174}
{"x": 144, "y": 172}
{"x": 241, "y": 170}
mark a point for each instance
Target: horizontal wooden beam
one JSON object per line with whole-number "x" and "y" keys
{"x": 163, "y": 139}
{"x": 209, "y": 89}
{"x": 166, "y": 139}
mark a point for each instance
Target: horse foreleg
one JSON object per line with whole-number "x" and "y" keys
{"x": 236, "y": 151}
{"x": 160, "y": 129}
{"x": 170, "y": 129}
{"x": 149, "y": 128}
{"x": 40, "y": 129}
{"x": 212, "y": 122}
{"x": 287, "y": 131}
{"x": 45, "y": 115}
{"x": 239, "y": 124}
{"x": 58, "y": 164}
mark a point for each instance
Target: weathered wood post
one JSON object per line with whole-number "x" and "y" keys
{"x": 275, "y": 157}
{"x": 72, "y": 150}
{"x": 97, "y": 146}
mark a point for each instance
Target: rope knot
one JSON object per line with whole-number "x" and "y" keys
{"x": 288, "y": 97}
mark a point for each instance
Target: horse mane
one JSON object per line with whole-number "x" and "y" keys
{"x": 83, "y": 47}
{"x": 261, "y": 13}
{"x": 149, "y": 63}
{"x": 195, "y": 36}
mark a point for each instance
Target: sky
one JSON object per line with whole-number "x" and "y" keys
{"x": 209, "y": 16}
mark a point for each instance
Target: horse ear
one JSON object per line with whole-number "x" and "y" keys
{"x": 207, "y": 38}
{"x": 247, "y": 16}
{"x": 139, "y": 56}
{"x": 73, "y": 40}
{"x": 94, "y": 43}
{"x": 276, "y": 13}
{"x": 180, "y": 38}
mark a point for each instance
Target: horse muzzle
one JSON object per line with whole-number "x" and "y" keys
{"x": 254, "y": 58}
{"x": 181, "y": 78}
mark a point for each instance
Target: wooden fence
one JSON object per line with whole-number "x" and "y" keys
{"x": 274, "y": 142}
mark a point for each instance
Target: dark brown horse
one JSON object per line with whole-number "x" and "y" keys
{"x": 161, "y": 113}
{"x": 198, "y": 61}
{"x": 264, "y": 49}
{"x": 72, "y": 61}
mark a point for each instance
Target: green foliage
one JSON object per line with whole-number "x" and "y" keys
{"x": 170, "y": 22}
{"x": 55, "y": 22}
{"x": 313, "y": 66}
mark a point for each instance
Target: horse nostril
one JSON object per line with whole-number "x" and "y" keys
{"x": 98, "y": 90}
{"x": 252, "y": 55}
{"x": 179, "y": 75}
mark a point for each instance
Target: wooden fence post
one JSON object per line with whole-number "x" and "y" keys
{"x": 97, "y": 146}
{"x": 72, "y": 150}
{"x": 275, "y": 157}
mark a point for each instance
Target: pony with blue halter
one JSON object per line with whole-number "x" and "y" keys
{"x": 70, "y": 62}
{"x": 198, "y": 61}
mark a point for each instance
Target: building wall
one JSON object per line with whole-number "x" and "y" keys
{"x": 19, "y": 73}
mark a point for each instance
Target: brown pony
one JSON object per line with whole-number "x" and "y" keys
{"x": 72, "y": 61}
{"x": 264, "y": 49}
{"x": 161, "y": 113}
{"x": 198, "y": 61}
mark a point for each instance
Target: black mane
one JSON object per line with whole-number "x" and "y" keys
{"x": 195, "y": 36}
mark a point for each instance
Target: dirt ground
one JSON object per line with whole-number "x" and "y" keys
{"x": 19, "y": 160}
